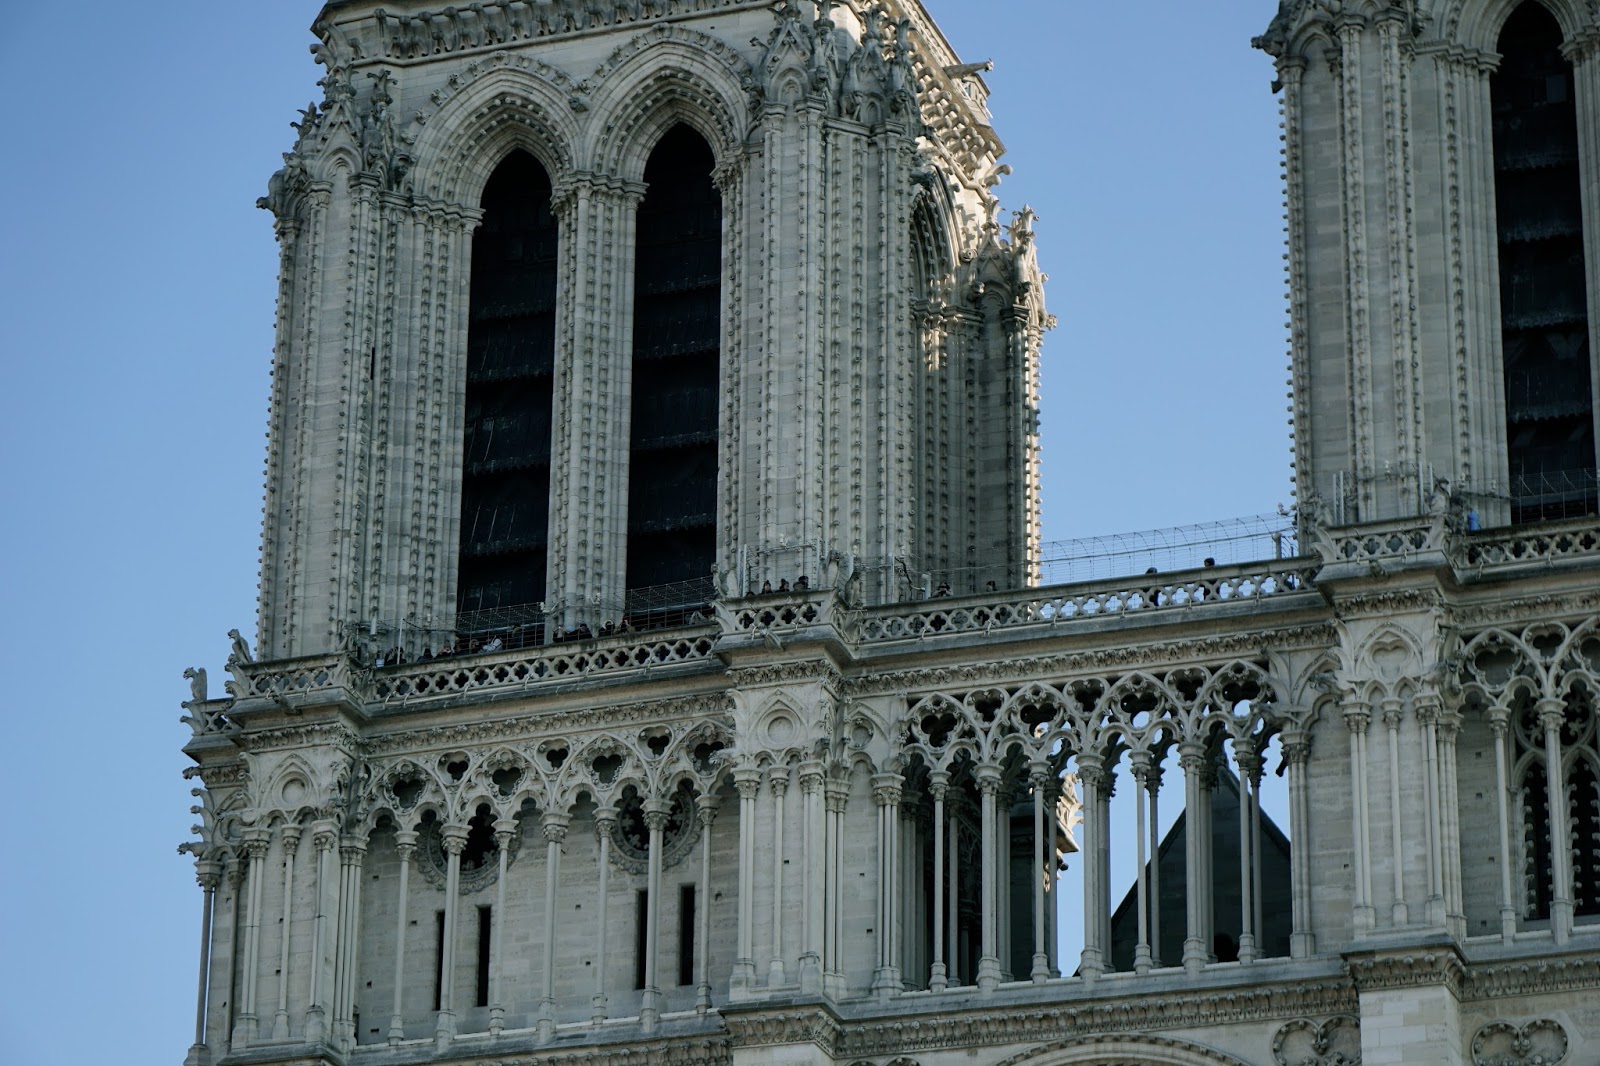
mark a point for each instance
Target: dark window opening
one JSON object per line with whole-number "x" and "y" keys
{"x": 505, "y": 491}
{"x": 438, "y": 953}
{"x": 686, "y": 918}
{"x": 1544, "y": 312}
{"x": 485, "y": 925}
{"x": 672, "y": 482}
{"x": 641, "y": 936}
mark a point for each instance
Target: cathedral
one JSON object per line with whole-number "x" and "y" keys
{"x": 654, "y": 662}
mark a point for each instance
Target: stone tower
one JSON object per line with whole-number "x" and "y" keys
{"x": 652, "y": 666}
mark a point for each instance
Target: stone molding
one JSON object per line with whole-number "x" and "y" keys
{"x": 1542, "y": 1042}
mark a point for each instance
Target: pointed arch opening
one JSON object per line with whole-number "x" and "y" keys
{"x": 505, "y": 491}
{"x": 672, "y": 483}
{"x": 1544, "y": 312}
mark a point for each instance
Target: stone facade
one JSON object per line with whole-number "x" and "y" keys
{"x": 821, "y": 824}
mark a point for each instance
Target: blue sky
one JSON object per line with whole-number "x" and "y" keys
{"x": 136, "y": 310}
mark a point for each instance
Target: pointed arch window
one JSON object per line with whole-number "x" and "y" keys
{"x": 672, "y": 481}
{"x": 1543, "y": 293}
{"x": 505, "y": 492}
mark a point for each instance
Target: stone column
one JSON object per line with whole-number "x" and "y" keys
{"x": 555, "y": 831}
{"x": 605, "y": 822}
{"x": 813, "y": 878}
{"x": 1153, "y": 786}
{"x": 504, "y": 830}
{"x": 886, "y": 790}
{"x": 1139, "y": 765}
{"x": 837, "y": 797}
{"x": 245, "y": 1027}
{"x": 1428, "y": 715}
{"x": 1447, "y": 727}
{"x": 706, "y": 811}
{"x": 1096, "y": 781}
{"x": 1197, "y": 872}
{"x": 593, "y": 369}
{"x": 748, "y": 782}
{"x": 352, "y": 850}
{"x": 1248, "y": 761}
{"x": 1296, "y": 752}
{"x": 405, "y": 846}
{"x": 1356, "y": 719}
{"x": 780, "y": 785}
{"x": 208, "y": 872}
{"x": 291, "y": 843}
{"x": 234, "y": 868}
{"x": 1041, "y": 959}
{"x": 325, "y": 837}
{"x": 1391, "y": 719}
{"x": 953, "y": 929}
{"x": 655, "y": 819}
{"x": 1499, "y": 718}
{"x": 1552, "y": 716}
{"x": 989, "y": 959}
{"x": 938, "y": 785}
{"x": 455, "y": 841}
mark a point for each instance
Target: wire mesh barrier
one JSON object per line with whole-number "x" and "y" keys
{"x": 1235, "y": 540}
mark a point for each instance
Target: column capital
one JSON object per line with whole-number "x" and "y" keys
{"x": 1247, "y": 757}
{"x": 1552, "y": 713}
{"x": 405, "y": 842}
{"x": 778, "y": 780}
{"x": 1296, "y": 747}
{"x": 705, "y": 808}
{"x": 811, "y": 775}
{"x": 352, "y": 848}
{"x": 748, "y": 781}
{"x": 1357, "y": 715}
{"x": 988, "y": 778}
{"x": 939, "y": 783}
{"x": 605, "y": 820}
{"x": 555, "y": 825}
{"x": 1390, "y": 709}
{"x": 887, "y": 788}
{"x": 1192, "y": 756}
{"x": 1499, "y": 719}
{"x": 291, "y": 836}
{"x": 837, "y": 795}
{"x": 256, "y": 841}
{"x": 325, "y": 834}
{"x": 655, "y": 819}
{"x": 454, "y": 839}
{"x": 208, "y": 873}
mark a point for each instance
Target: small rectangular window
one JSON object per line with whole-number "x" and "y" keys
{"x": 686, "y": 918}
{"x": 485, "y": 927}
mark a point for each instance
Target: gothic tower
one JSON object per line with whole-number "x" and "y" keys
{"x": 583, "y": 300}
{"x": 652, "y": 665}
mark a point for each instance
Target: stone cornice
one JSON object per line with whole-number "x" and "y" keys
{"x": 966, "y": 1024}
{"x": 704, "y": 705}
{"x": 1123, "y": 656}
{"x": 1441, "y": 966}
{"x": 1530, "y": 977}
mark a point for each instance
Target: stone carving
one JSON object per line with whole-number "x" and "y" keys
{"x": 240, "y": 652}
{"x": 1538, "y": 1043}
{"x": 197, "y": 684}
{"x": 1335, "y": 1042}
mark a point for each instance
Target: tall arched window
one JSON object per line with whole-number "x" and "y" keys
{"x": 1543, "y": 298}
{"x": 672, "y": 480}
{"x": 505, "y": 493}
